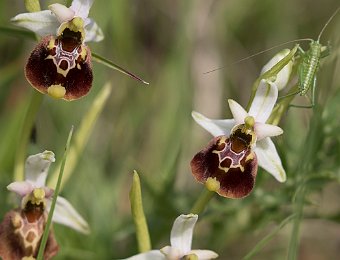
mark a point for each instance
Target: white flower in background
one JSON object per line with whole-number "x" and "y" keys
{"x": 53, "y": 21}
{"x": 259, "y": 111}
{"x": 34, "y": 191}
{"x": 180, "y": 240}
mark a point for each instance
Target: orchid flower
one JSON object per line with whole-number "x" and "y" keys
{"x": 60, "y": 65}
{"x": 233, "y": 161}
{"x": 33, "y": 191}
{"x": 180, "y": 240}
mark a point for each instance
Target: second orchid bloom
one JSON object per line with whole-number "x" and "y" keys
{"x": 229, "y": 163}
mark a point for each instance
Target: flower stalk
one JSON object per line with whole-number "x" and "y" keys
{"x": 202, "y": 201}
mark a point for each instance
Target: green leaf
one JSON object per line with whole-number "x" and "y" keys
{"x": 110, "y": 64}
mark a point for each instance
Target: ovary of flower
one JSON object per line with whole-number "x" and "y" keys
{"x": 33, "y": 190}
{"x": 260, "y": 111}
{"x": 180, "y": 240}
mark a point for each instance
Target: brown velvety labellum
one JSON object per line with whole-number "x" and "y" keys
{"x": 20, "y": 237}
{"x": 235, "y": 170}
{"x": 60, "y": 61}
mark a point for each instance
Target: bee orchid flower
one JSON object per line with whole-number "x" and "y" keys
{"x": 60, "y": 65}
{"x": 33, "y": 191}
{"x": 240, "y": 144}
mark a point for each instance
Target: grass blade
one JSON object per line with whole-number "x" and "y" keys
{"x": 55, "y": 195}
{"x": 96, "y": 57}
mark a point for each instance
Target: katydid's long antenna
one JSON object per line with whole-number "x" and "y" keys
{"x": 329, "y": 20}
{"x": 258, "y": 53}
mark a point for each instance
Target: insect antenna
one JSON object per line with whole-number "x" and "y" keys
{"x": 329, "y": 20}
{"x": 258, "y": 53}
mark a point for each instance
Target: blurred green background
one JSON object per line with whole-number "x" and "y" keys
{"x": 171, "y": 44}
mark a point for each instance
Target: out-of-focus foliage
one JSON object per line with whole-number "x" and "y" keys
{"x": 171, "y": 44}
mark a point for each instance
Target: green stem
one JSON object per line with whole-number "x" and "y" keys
{"x": 54, "y": 200}
{"x": 268, "y": 237}
{"x": 28, "y": 120}
{"x": 202, "y": 201}
{"x": 306, "y": 163}
{"x": 294, "y": 239}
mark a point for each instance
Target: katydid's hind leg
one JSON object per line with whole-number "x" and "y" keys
{"x": 289, "y": 95}
{"x": 311, "y": 99}
{"x": 313, "y": 92}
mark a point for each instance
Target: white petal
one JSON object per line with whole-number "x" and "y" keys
{"x": 181, "y": 232}
{"x": 63, "y": 13}
{"x": 81, "y": 7}
{"x": 265, "y": 130}
{"x": 269, "y": 159}
{"x": 65, "y": 214}
{"x": 21, "y": 188}
{"x": 42, "y": 23}
{"x": 239, "y": 113}
{"x": 264, "y": 101}
{"x": 215, "y": 127}
{"x": 204, "y": 254}
{"x": 283, "y": 76}
{"x": 172, "y": 253}
{"x": 151, "y": 255}
{"x": 93, "y": 33}
{"x": 36, "y": 168}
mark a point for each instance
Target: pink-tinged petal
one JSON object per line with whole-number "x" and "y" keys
{"x": 204, "y": 254}
{"x": 63, "y": 13}
{"x": 266, "y": 130}
{"x": 42, "y": 23}
{"x": 48, "y": 192}
{"x": 22, "y": 188}
{"x": 93, "y": 33}
{"x": 283, "y": 76}
{"x": 269, "y": 159}
{"x": 264, "y": 101}
{"x": 213, "y": 126}
{"x": 36, "y": 168}
{"x": 151, "y": 255}
{"x": 239, "y": 113}
{"x": 66, "y": 214}
{"x": 231, "y": 162}
{"x": 171, "y": 252}
{"x": 81, "y": 7}
{"x": 181, "y": 233}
